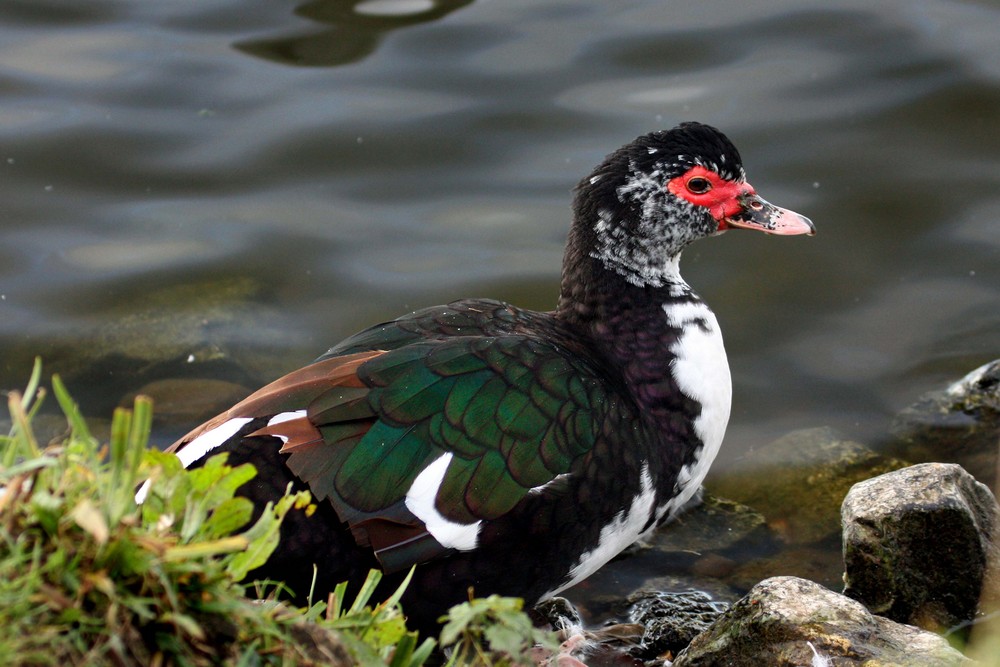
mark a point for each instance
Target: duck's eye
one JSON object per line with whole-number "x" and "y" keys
{"x": 699, "y": 185}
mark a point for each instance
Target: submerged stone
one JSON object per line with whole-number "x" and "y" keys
{"x": 798, "y": 481}
{"x": 671, "y": 620}
{"x": 210, "y": 329}
{"x": 184, "y": 402}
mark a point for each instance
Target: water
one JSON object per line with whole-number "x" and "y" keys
{"x": 348, "y": 162}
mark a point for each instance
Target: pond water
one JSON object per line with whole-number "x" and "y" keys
{"x": 343, "y": 162}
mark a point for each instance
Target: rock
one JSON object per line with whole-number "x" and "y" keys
{"x": 671, "y": 620}
{"x": 790, "y": 621}
{"x": 960, "y": 424}
{"x": 798, "y": 482}
{"x": 611, "y": 646}
{"x": 918, "y": 544}
{"x": 559, "y": 613}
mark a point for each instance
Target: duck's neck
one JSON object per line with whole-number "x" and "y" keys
{"x": 636, "y": 330}
{"x": 664, "y": 344}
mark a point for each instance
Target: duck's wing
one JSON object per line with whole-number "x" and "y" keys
{"x": 416, "y": 446}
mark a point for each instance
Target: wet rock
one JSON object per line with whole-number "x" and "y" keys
{"x": 918, "y": 544}
{"x": 960, "y": 424}
{"x": 798, "y": 482}
{"x": 612, "y": 646}
{"x": 790, "y": 621}
{"x": 671, "y": 620}
{"x": 558, "y": 612}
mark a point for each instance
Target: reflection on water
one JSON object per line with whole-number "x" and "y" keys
{"x": 344, "y": 162}
{"x": 350, "y": 32}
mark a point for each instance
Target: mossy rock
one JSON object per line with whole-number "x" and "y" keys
{"x": 799, "y": 481}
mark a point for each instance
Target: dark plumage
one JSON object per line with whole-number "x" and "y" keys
{"x": 507, "y": 450}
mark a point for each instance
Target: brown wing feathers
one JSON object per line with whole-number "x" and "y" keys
{"x": 295, "y": 391}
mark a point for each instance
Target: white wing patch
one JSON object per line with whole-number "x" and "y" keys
{"x": 140, "y": 495}
{"x": 204, "y": 444}
{"x": 209, "y": 440}
{"x": 421, "y": 498}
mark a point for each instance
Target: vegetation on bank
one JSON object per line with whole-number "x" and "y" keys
{"x": 88, "y": 576}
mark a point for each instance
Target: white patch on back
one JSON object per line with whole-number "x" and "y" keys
{"x": 421, "y": 499}
{"x": 209, "y": 440}
{"x": 701, "y": 370}
{"x": 623, "y": 530}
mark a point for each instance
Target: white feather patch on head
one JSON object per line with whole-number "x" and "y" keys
{"x": 640, "y": 260}
{"x": 646, "y": 252}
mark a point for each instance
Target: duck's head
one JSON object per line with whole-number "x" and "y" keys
{"x": 648, "y": 200}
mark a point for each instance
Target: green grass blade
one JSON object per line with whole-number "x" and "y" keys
{"x": 403, "y": 653}
{"x": 72, "y": 411}
{"x": 396, "y": 596}
{"x": 33, "y": 382}
{"x": 336, "y": 607}
{"x": 22, "y": 438}
{"x": 366, "y": 592}
{"x": 142, "y": 426}
{"x": 421, "y": 655}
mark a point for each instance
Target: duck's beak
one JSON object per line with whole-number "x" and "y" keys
{"x": 756, "y": 213}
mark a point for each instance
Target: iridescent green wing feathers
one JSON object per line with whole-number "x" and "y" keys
{"x": 513, "y": 411}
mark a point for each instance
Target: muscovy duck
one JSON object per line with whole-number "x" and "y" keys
{"x": 505, "y": 450}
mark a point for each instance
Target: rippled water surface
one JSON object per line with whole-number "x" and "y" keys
{"x": 333, "y": 164}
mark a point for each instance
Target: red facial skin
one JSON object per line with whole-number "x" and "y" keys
{"x": 721, "y": 199}
{"x": 736, "y": 203}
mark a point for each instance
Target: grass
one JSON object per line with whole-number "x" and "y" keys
{"x": 88, "y": 576}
